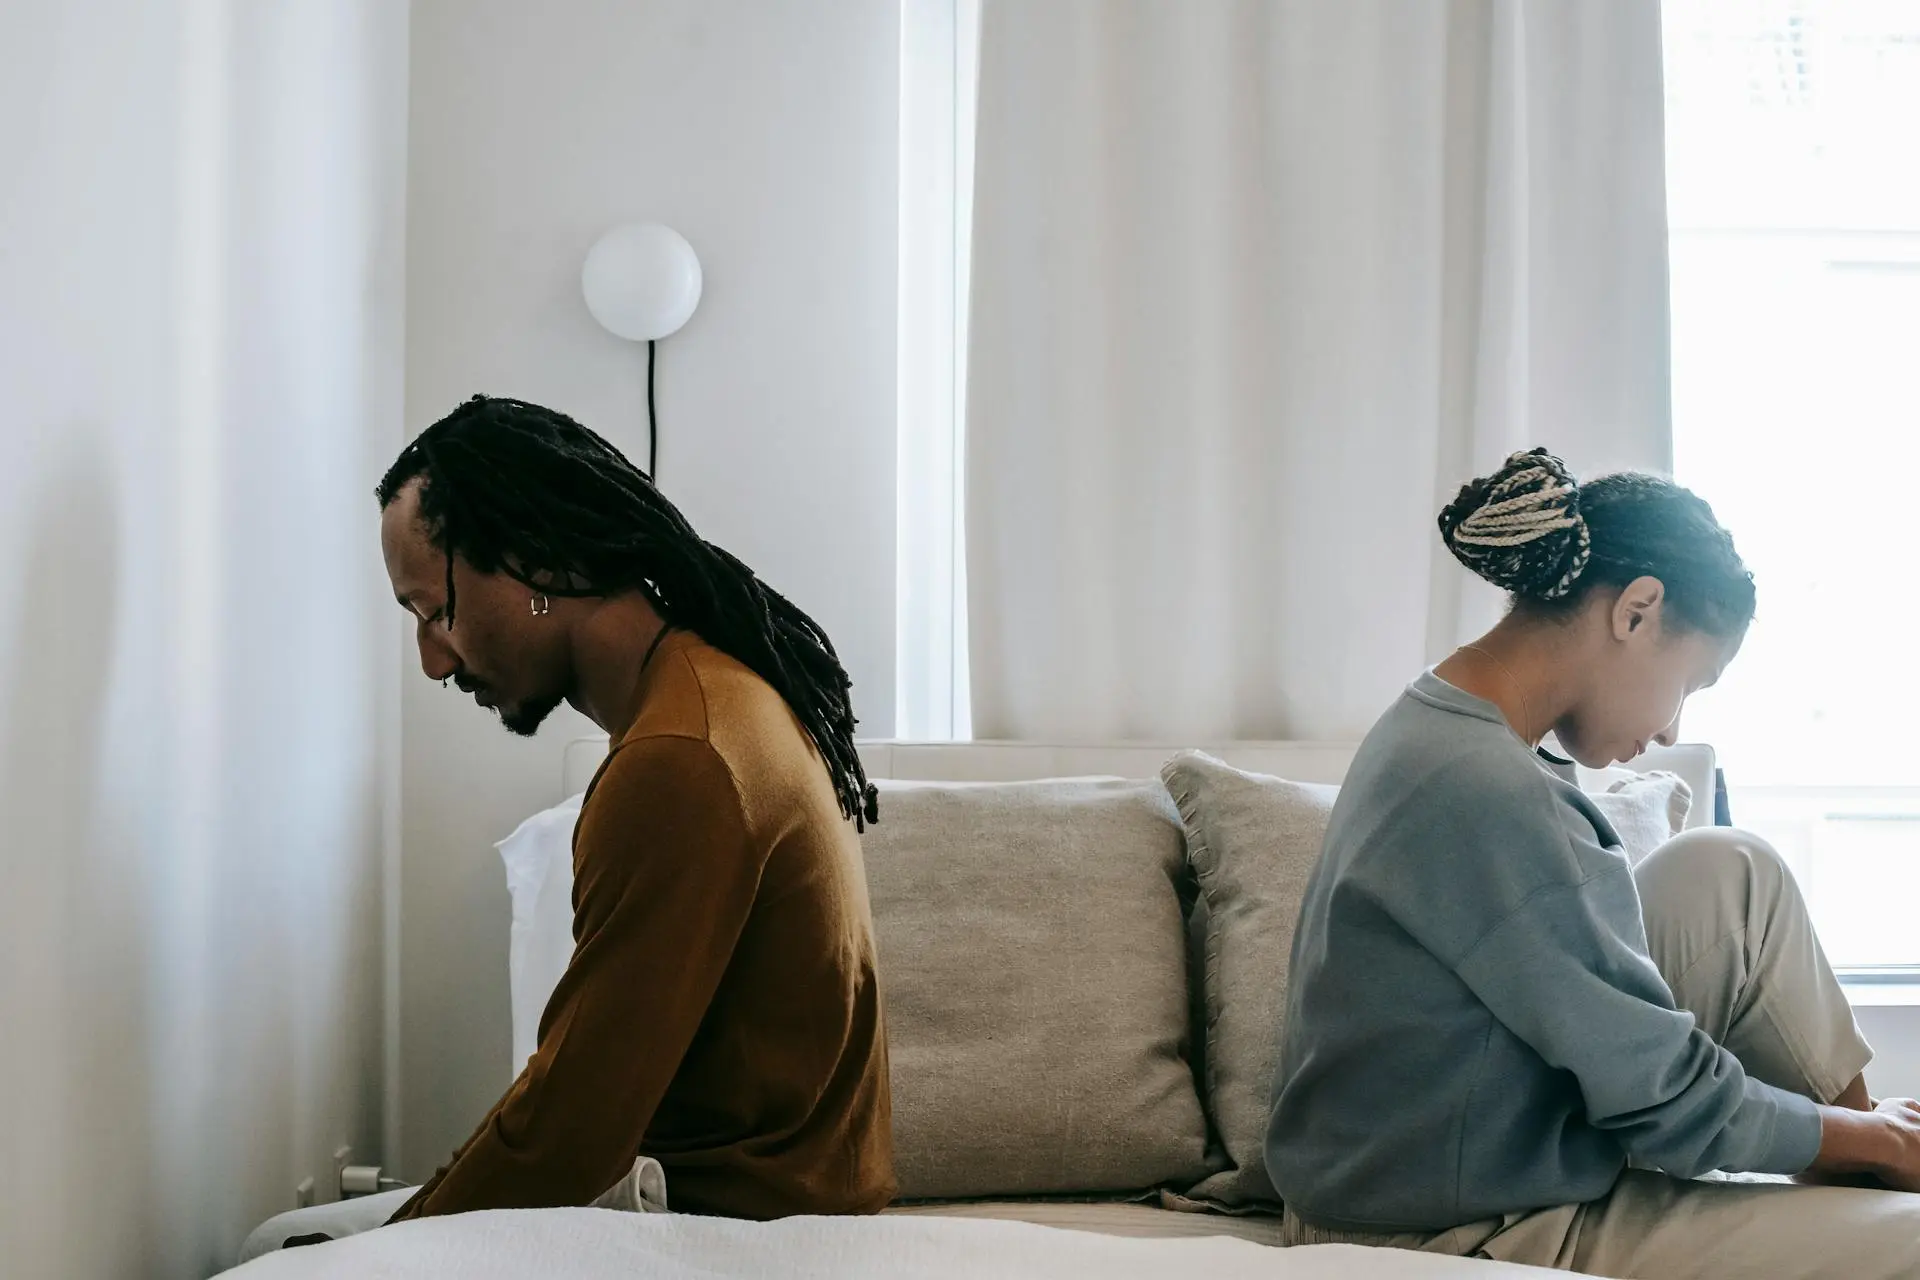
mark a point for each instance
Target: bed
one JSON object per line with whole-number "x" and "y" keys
{"x": 602, "y": 1244}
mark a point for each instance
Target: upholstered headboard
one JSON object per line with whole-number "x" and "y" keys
{"x": 1018, "y": 761}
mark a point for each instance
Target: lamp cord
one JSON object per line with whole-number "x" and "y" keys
{"x": 653, "y": 423}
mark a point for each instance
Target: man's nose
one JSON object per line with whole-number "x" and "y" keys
{"x": 437, "y": 658}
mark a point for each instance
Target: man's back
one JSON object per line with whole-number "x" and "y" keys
{"x": 781, "y": 1105}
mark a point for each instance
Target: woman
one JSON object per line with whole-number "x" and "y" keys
{"x": 1491, "y": 1015}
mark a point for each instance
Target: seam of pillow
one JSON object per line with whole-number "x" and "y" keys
{"x": 1177, "y": 776}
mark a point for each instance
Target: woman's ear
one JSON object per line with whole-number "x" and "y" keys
{"x": 1637, "y": 608}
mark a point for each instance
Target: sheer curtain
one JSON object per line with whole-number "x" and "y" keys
{"x": 201, "y": 225}
{"x": 1256, "y": 285}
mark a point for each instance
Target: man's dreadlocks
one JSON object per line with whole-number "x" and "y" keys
{"x": 514, "y": 488}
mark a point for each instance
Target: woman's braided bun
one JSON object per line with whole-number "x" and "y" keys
{"x": 1521, "y": 528}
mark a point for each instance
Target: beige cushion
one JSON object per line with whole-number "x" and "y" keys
{"x": 1252, "y": 841}
{"x": 1646, "y": 810}
{"x": 1032, "y": 956}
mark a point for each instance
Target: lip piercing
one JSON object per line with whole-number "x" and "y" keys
{"x": 541, "y": 606}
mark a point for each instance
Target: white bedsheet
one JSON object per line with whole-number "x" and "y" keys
{"x": 600, "y": 1244}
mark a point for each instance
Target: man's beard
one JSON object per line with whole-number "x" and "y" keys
{"x": 525, "y": 718}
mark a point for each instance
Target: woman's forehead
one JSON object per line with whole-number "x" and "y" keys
{"x": 1708, "y": 655}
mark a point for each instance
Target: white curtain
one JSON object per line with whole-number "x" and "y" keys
{"x": 201, "y": 225}
{"x": 1256, "y": 285}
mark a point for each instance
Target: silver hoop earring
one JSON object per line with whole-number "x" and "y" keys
{"x": 445, "y": 681}
{"x": 542, "y": 606}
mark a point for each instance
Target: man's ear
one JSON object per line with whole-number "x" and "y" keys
{"x": 1637, "y": 606}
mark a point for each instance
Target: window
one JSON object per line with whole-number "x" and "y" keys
{"x": 1793, "y": 172}
{"x": 939, "y": 55}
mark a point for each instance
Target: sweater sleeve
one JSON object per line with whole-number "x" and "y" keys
{"x": 1569, "y": 974}
{"x": 1546, "y": 930}
{"x": 665, "y": 878}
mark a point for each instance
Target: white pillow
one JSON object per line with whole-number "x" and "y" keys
{"x": 1693, "y": 762}
{"x": 1646, "y": 810}
{"x": 539, "y": 860}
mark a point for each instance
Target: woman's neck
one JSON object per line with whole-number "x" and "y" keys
{"x": 1512, "y": 667}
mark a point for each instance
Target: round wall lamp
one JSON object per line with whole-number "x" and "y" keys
{"x": 642, "y": 282}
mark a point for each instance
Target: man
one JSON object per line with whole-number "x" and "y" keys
{"x": 721, "y": 1013}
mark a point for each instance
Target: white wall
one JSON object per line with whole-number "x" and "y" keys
{"x": 765, "y": 132}
{"x": 201, "y": 221}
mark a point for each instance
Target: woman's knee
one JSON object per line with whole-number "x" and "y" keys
{"x": 1713, "y": 882}
{"x": 1708, "y": 857}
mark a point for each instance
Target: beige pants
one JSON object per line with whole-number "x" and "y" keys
{"x": 1729, "y": 930}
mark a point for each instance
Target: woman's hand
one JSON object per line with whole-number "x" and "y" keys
{"x": 1884, "y": 1142}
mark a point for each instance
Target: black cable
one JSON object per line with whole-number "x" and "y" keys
{"x": 653, "y": 423}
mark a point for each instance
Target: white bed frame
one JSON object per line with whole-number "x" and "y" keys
{"x": 1022, "y": 761}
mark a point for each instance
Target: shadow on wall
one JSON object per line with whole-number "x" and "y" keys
{"x": 71, "y": 925}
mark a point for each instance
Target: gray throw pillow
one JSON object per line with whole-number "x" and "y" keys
{"x": 1252, "y": 841}
{"x": 1033, "y": 961}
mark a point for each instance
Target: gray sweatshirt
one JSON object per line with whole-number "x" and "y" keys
{"x": 1473, "y": 1025}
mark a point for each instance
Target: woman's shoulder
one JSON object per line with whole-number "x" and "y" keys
{"x": 1424, "y": 775}
{"x": 1419, "y": 743}
{"x": 1455, "y": 831}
